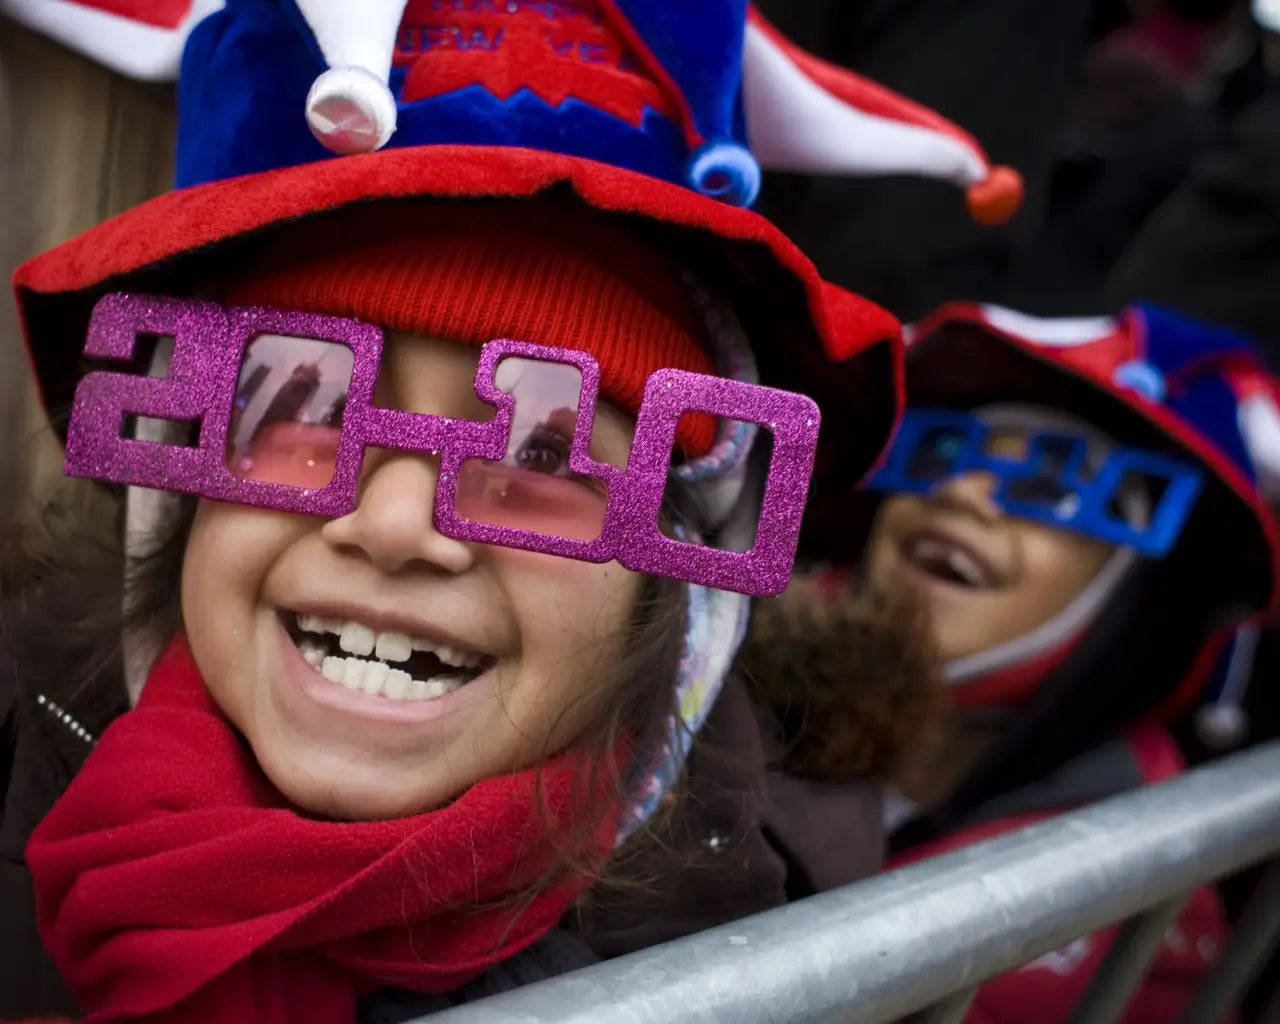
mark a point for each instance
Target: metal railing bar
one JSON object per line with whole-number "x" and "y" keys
{"x": 1252, "y": 939}
{"x": 896, "y": 943}
{"x": 951, "y": 1010}
{"x": 1126, "y": 964}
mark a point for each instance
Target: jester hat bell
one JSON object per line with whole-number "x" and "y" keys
{"x": 662, "y": 113}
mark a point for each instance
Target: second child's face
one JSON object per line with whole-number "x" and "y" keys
{"x": 984, "y": 578}
{"x": 481, "y": 660}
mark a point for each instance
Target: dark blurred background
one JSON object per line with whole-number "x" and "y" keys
{"x": 1146, "y": 133}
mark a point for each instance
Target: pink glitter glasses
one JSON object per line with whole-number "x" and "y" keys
{"x": 284, "y": 403}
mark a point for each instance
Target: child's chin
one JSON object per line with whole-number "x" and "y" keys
{"x": 361, "y": 788}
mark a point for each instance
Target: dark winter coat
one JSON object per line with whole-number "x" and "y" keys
{"x": 747, "y": 836}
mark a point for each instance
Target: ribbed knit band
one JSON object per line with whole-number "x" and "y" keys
{"x": 534, "y": 272}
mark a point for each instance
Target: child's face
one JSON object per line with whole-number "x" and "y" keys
{"x": 985, "y": 578}
{"x": 535, "y": 637}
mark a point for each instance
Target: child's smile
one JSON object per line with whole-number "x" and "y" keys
{"x": 985, "y": 577}
{"x": 386, "y": 663}
{"x": 379, "y": 668}
{"x": 941, "y": 555}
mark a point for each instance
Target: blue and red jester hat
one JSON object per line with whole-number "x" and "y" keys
{"x": 661, "y": 113}
{"x": 1193, "y": 394}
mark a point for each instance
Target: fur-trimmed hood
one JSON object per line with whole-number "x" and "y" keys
{"x": 850, "y": 676}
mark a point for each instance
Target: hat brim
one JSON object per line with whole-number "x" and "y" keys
{"x": 986, "y": 364}
{"x": 821, "y": 339}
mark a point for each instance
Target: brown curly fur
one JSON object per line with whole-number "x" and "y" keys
{"x": 851, "y": 676}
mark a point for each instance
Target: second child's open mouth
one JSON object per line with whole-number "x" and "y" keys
{"x": 386, "y": 664}
{"x": 945, "y": 559}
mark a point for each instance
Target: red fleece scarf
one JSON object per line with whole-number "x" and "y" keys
{"x": 174, "y": 883}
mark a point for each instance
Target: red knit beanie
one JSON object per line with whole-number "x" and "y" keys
{"x": 474, "y": 272}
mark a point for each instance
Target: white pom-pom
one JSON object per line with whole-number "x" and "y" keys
{"x": 351, "y": 110}
{"x": 725, "y": 171}
{"x": 1221, "y": 726}
{"x": 1267, "y": 14}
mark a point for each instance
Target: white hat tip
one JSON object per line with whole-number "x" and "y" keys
{"x": 351, "y": 110}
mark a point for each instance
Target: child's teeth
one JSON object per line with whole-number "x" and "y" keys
{"x": 359, "y": 677}
{"x": 375, "y": 676}
{"x": 333, "y": 668}
{"x": 356, "y": 639}
{"x": 393, "y": 647}
{"x": 418, "y": 690}
{"x": 359, "y": 671}
{"x": 353, "y": 673}
{"x": 396, "y": 686}
{"x": 319, "y": 624}
{"x": 399, "y": 681}
{"x": 449, "y": 655}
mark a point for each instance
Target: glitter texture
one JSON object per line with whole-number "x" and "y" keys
{"x": 209, "y": 344}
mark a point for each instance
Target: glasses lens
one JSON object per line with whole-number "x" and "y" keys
{"x": 1008, "y": 444}
{"x": 935, "y": 453}
{"x": 287, "y": 414}
{"x": 1051, "y": 484}
{"x": 532, "y": 487}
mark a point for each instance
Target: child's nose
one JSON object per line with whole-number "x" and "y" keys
{"x": 974, "y": 491}
{"x": 392, "y": 524}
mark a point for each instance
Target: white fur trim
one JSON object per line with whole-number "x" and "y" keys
{"x": 1259, "y": 421}
{"x": 1051, "y": 332}
{"x": 351, "y": 111}
{"x": 145, "y": 52}
{"x": 793, "y": 124}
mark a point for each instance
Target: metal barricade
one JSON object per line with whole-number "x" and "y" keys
{"x": 919, "y": 940}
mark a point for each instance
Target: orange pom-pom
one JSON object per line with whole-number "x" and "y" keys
{"x": 997, "y": 197}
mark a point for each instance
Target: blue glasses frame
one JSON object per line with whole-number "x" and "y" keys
{"x": 1087, "y": 500}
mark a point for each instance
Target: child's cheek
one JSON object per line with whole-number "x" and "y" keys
{"x": 229, "y": 554}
